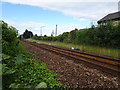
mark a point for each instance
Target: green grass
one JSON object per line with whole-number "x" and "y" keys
{"x": 86, "y": 48}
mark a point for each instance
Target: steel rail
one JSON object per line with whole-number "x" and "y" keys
{"x": 108, "y": 63}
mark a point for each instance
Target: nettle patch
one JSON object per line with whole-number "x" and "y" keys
{"x": 24, "y": 72}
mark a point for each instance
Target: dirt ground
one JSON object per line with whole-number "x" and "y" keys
{"x": 71, "y": 73}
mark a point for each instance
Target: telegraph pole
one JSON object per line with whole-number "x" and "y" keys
{"x": 56, "y": 30}
{"x": 41, "y": 30}
{"x": 52, "y": 34}
{"x": 119, "y": 6}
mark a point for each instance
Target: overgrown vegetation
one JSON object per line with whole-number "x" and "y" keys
{"x": 24, "y": 72}
{"x": 113, "y": 52}
{"x": 107, "y": 35}
{"x": 19, "y": 70}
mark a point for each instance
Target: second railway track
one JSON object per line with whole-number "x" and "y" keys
{"x": 106, "y": 64}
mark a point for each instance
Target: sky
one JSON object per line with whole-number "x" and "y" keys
{"x": 41, "y": 16}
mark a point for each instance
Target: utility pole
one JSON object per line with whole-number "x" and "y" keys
{"x": 119, "y": 6}
{"x": 52, "y": 34}
{"x": 41, "y": 30}
{"x": 56, "y": 30}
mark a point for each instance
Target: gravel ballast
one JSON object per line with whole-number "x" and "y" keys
{"x": 71, "y": 73}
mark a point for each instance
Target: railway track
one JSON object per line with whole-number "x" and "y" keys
{"x": 107, "y": 64}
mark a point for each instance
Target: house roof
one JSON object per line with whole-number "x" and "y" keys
{"x": 111, "y": 16}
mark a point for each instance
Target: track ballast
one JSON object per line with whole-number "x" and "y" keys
{"x": 107, "y": 64}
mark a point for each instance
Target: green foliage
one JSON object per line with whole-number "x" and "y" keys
{"x": 27, "y": 34}
{"x": 35, "y": 37}
{"x": 107, "y": 35}
{"x": 41, "y": 85}
{"x": 28, "y": 72}
{"x": 4, "y": 57}
{"x": 6, "y": 70}
{"x": 10, "y": 43}
{"x": 19, "y": 70}
{"x": 73, "y": 35}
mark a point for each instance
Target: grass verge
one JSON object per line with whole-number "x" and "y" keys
{"x": 86, "y": 48}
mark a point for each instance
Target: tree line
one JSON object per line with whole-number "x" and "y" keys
{"x": 107, "y": 35}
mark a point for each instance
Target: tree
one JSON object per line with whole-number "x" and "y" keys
{"x": 73, "y": 34}
{"x": 27, "y": 34}
{"x": 10, "y": 42}
{"x": 36, "y": 35}
{"x": 45, "y": 35}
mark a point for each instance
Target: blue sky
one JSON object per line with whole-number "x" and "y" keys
{"x": 67, "y": 15}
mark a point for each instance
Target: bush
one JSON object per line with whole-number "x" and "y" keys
{"x": 10, "y": 42}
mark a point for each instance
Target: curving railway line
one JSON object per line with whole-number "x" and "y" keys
{"x": 107, "y": 64}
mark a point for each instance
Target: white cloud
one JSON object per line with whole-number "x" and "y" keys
{"x": 67, "y": 28}
{"x": 82, "y": 19}
{"x": 35, "y": 27}
{"x": 83, "y": 10}
{"x": 93, "y": 9}
{"x": 37, "y": 1}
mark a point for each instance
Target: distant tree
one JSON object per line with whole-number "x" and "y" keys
{"x": 52, "y": 34}
{"x": 73, "y": 34}
{"x": 36, "y": 35}
{"x": 45, "y": 35}
{"x": 27, "y": 34}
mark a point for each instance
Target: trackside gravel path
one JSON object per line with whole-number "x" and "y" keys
{"x": 71, "y": 73}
